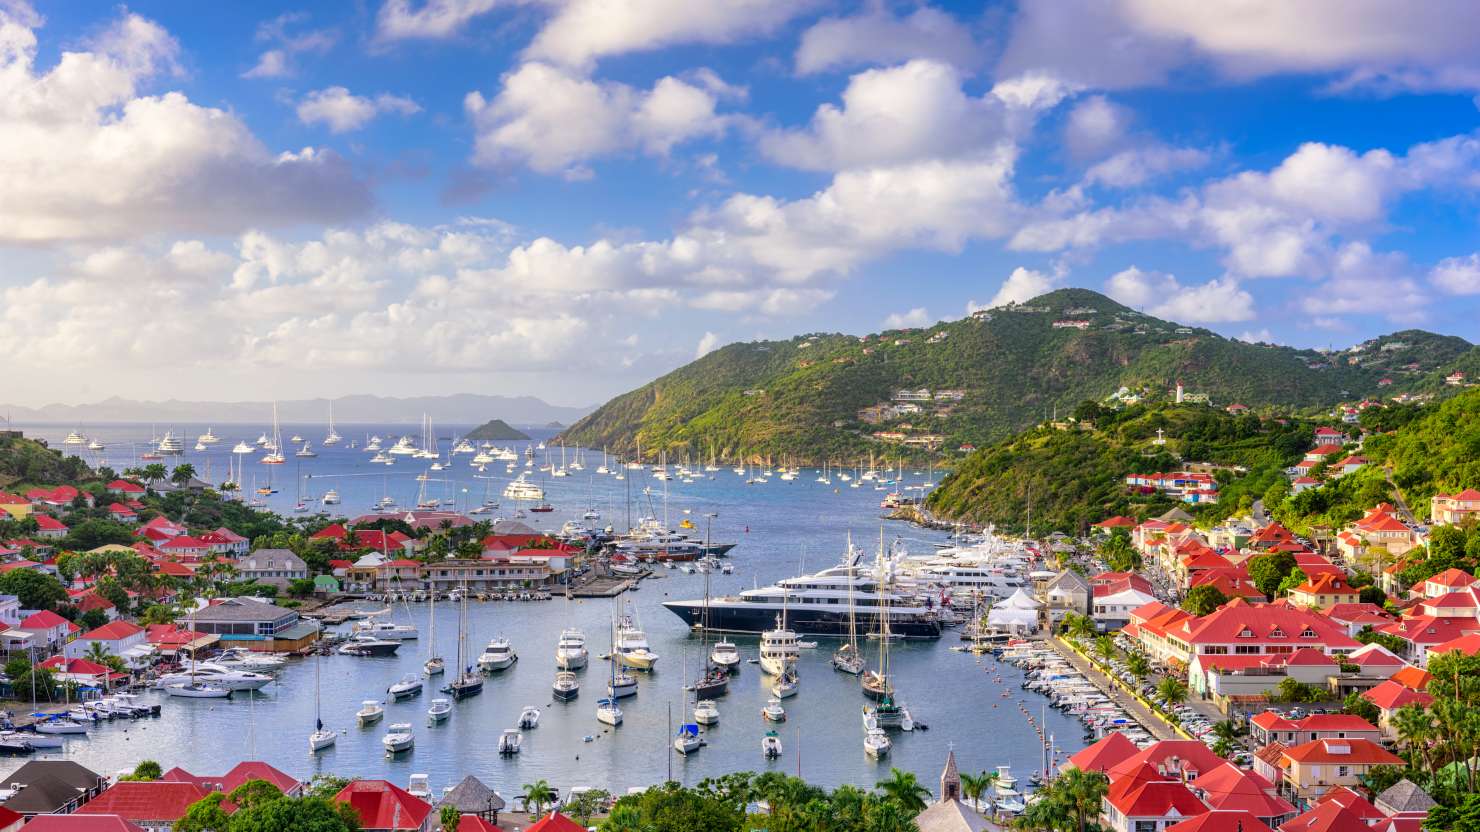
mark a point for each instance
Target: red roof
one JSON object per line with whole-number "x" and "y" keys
{"x": 334, "y": 531}
{"x": 555, "y": 822}
{"x": 1275, "y": 721}
{"x": 1431, "y": 630}
{"x": 126, "y": 487}
{"x": 1190, "y": 754}
{"x": 80, "y": 823}
{"x": 42, "y": 620}
{"x": 1326, "y": 817}
{"x": 1229, "y": 787}
{"x": 1119, "y": 522}
{"x": 145, "y": 801}
{"x": 47, "y": 523}
{"x": 1241, "y": 622}
{"x": 257, "y": 770}
{"x": 1158, "y": 799}
{"x": 1356, "y": 803}
{"x": 1453, "y": 576}
{"x": 112, "y": 631}
{"x": 384, "y": 805}
{"x": 92, "y": 601}
{"x": 174, "y": 568}
{"x": 1343, "y": 752}
{"x": 78, "y": 667}
{"x": 170, "y": 635}
{"x": 184, "y": 541}
{"x": 1468, "y": 645}
{"x": 1374, "y": 655}
{"x": 473, "y": 823}
{"x": 1113, "y": 749}
{"x": 403, "y": 563}
{"x": 1221, "y": 820}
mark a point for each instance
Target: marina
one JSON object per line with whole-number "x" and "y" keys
{"x": 783, "y": 530}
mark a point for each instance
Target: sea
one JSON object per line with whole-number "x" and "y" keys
{"x": 969, "y": 704}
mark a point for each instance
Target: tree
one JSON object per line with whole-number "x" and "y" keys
{"x": 975, "y": 786}
{"x": 1067, "y": 803}
{"x": 300, "y": 587}
{"x": 326, "y": 785}
{"x": 449, "y": 818}
{"x": 1358, "y": 705}
{"x": 92, "y": 533}
{"x": 91, "y": 620}
{"x": 254, "y": 793}
{"x": 305, "y": 814}
{"x": 1267, "y": 571}
{"x": 1174, "y": 691}
{"x": 154, "y": 472}
{"x": 36, "y": 590}
{"x": 1291, "y": 581}
{"x": 1105, "y": 646}
{"x": 1118, "y": 552}
{"x": 1393, "y": 643}
{"x": 537, "y": 795}
{"x": 586, "y": 804}
{"x": 146, "y": 770}
{"x": 905, "y": 789}
{"x": 1138, "y": 665}
{"x": 1079, "y": 626}
{"x": 672, "y": 808}
{"x": 205, "y": 815}
{"x": 157, "y": 614}
{"x": 1204, "y": 600}
{"x": 182, "y": 474}
{"x": 1224, "y": 747}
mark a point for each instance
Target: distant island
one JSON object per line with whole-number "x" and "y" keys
{"x": 495, "y": 430}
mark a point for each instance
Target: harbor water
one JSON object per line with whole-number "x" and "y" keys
{"x": 781, "y": 529}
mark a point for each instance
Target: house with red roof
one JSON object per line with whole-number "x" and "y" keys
{"x": 1349, "y": 465}
{"x": 1229, "y": 788}
{"x": 1312, "y": 768}
{"x": 18, "y": 507}
{"x": 1304, "y": 482}
{"x": 160, "y": 527}
{"x": 170, "y": 639}
{"x": 1454, "y": 509}
{"x": 1325, "y": 591}
{"x": 50, "y": 528}
{"x": 1111, "y": 604}
{"x": 1320, "y": 452}
{"x": 59, "y": 497}
{"x": 1423, "y": 632}
{"x": 1329, "y": 436}
{"x": 1265, "y": 537}
{"x": 154, "y": 805}
{"x": 184, "y": 546}
{"x": 1389, "y": 697}
{"x": 1379, "y": 528}
{"x": 1221, "y": 820}
{"x": 553, "y": 822}
{"x": 1238, "y": 681}
{"x": 82, "y": 823}
{"x": 224, "y": 541}
{"x": 1179, "y": 759}
{"x": 1356, "y": 616}
{"x": 1273, "y": 726}
{"x": 87, "y": 600}
{"x": 120, "y": 513}
{"x": 1146, "y": 800}
{"x": 123, "y": 639}
{"x": 1467, "y": 645}
{"x": 48, "y": 630}
{"x": 237, "y": 776}
{"x": 85, "y": 673}
{"x": 1450, "y": 580}
{"x": 1329, "y": 816}
{"x": 1103, "y": 754}
{"x": 1352, "y": 800}
{"x": 1117, "y": 522}
{"x": 125, "y": 488}
{"x": 1233, "y": 582}
{"x": 385, "y": 807}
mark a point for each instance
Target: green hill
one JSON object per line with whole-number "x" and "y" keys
{"x": 28, "y": 462}
{"x": 803, "y": 399}
{"x": 1076, "y": 476}
{"x": 496, "y": 430}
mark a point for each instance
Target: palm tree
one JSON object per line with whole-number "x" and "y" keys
{"x": 1105, "y": 646}
{"x": 1415, "y": 729}
{"x": 154, "y": 472}
{"x": 538, "y": 794}
{"x": 905, "y": 789}
{"x": 182, "y": 474}
{"x": 1138, "y": 666}
{"x": 976, "y": 786}
{"x": 1173, "y": 690}
{"x": 1079, "y": 626}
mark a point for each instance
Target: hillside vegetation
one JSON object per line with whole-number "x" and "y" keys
{"x": 800, "y": 400}
{"x": 28, "y": 462}
{"x": 1076, "y": 477}
{"x": 496, "y": 430}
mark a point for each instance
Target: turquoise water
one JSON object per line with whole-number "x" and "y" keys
{"x": 782, "y": 528}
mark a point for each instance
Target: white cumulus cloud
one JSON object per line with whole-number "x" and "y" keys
{"x": 432, "y": 19}
{"x": 708, "y": 343}
{"x": 912, "y": 319}
{"x": 878, "y": 36}
{"x": 1217, "y": 301}
{"x": 1457, "y": 275}
{"x": 584, "y": 31}
{"x": 342, "y": 111}
{"x": 1022, "y": 286}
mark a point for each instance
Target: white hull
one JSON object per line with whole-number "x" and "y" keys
{"x": 189, "y": 691}
{"x": 571, "y": 659}
{"x": 319, "y": 740}
{"x": 639, "y": 659}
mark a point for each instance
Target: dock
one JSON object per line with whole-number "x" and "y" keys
{"x": 605, "y": 586}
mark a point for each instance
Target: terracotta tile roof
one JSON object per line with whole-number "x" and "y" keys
{"x": 1415, "y": 678}
{"x": 1272, "y": 753}
{"x": 384, "y": 805}
{"x": 1326, "y": 817}
{"x": 1113, "y": 749}
{"x": 1391, "y": 696}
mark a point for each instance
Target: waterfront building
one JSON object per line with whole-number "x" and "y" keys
{"x": 252, "y": 623}
{"x": 123, "y": 639}
{"x": 473, "y": 797}
{"x": 155, "y": 806}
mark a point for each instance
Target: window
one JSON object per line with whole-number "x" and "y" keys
{"x": 1145, "y": 826}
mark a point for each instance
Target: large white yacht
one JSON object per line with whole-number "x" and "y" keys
{"x": 522, "y": 489}
{"x": 818, "y": 604}
{"x": 632, "y": 647}
{"x": 570, "y": 651}
{"x": 779, "y": 650}
{"x": 170, "y": 445}
{"x": 215, "y": 675}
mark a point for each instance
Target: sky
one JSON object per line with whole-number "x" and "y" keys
{"x": 567, "y": 198}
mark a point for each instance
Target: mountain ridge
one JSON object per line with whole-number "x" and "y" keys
{"x": 458, "y": 408}
{"x": 805, "y": 398}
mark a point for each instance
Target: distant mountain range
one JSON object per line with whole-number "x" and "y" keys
{"x": 982, "y": 378}
{"x": 462, "y": 408}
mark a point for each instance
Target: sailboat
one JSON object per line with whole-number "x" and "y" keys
{"x": 468, "y": 682}
{"x": 275, "y": 453}
{"x": 848, "y": 658}
{"x": 321, "y": 737}
{"x": 715, "y": 680}
{"x": 877, "y": 684}
{"x": 607, "y": 710}
{"x": 435, "y": 665}
{"x": 687, "y": 741}
{"x": 332, "y": 437}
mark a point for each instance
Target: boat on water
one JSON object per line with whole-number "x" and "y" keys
{"x": 771, "y": 745}
{"x": 567, "y": 686}
{"x": 876, "y": 743}
{"x": 243, "y": 448}
{"x": 440, "y": 709}
{"x": 305, "y": 452}
{"x": 787, "y": 685}
{"x": 498, "y": 655}
{"x": 570, "y": 650}
{"x": 688, "y": 740}
{"x": 724, "y": 654}
{"x": 321, "y": 737}
{"x": 385, "y": 629}
{"x": 820, "y": 604}
{"x": 330, "y": 498}
{"x": 706, "y": 712}
{"x": 607, "y": 712}
{"x": 773, "y": 712}
{"x": 170, "y": 445}
{"x": 510, "y": 741}
{"x": 215, "y": 675}
{"x": 779, "y": 651}
{"x": 468, "y": 682}
{"x": 370, "y": 712}
{"x": 406, "y": 687}
{"x": 75, "y": 438}
{"x": 191, "y": 690}
{"x": 332, "y": 437}
{"x": 529, "y": 717}
{"x": 398, "y": 738}
{"x": 365, "y": 644}
{"x": 521, "y": 488}
{"x": 631, "y": 648}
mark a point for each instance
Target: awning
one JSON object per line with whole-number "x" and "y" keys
{"x": 17, "y": 635}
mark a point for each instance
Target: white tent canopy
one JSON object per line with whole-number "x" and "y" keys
{"x": 1020, "y": 600}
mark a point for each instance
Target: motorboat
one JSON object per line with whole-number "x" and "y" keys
{"x": 305, "y": 452}
{"x": 779, "y": 651}
{"x": 59, "y": 725}
{"x": 771, "y": 745}
{"x": 385, "y": 629}
{"x": 522, "y": 489}
{"x": 510, "y": 741}
{"x": 570, "y": 650}
{"x": 567, "y": 686}
{"x": 608, "y": 712}
{"x": 498, "y": 655}
{"x": 420, "y": 786}
{"x": 706, "y": 712}
{"x": 12, "y": 739}
{"x": 725, "y": 655}
{"x": 621, "y": 685}
{"x": 215, "y": 675}
{"x": 529, "y": 717}
{"x": 876, "y": 743}
{"x": 240, "y": 658}
{"x": 440, "y": 710}
{"x": 773, "y": 711}
{"x": 687, "y": 741}
{"x": 330, "y": 498}
{"x": 189, "y": 690}
{"x": 786, "y": 686}
{"x": 407, "y": 687}
{"x": 370, "y": 712}
{"x": 368, "y": 645}
{"x": 632, "y": 647}
{"x": 243, "y": 448}
{"x": 398, "y": 738}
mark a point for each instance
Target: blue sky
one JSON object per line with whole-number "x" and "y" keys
{"x": 569, "y": 197}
